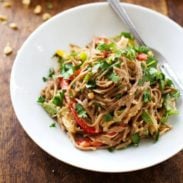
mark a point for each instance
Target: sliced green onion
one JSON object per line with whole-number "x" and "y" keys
{"x": 135, "y": 139}
{"x": 147, "y": 117}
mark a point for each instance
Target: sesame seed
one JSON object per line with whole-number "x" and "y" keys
{"x": 13, "y": 26}
{"x": 7, "y": 4}
{"x": 7, "y": 50}
{"x": 38, "y": 9}
{"x": 46, "y": 16}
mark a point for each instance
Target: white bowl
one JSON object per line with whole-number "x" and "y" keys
{"x": 79, "y": 25}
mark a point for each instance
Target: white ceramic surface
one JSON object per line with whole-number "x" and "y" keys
{"x": 79, "y": 25}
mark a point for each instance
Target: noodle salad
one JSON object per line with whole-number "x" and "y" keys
{"x": 109, "y": 94}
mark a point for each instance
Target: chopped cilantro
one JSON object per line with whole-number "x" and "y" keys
{"x": 168, "y": 82}
{"x": 127, "y": 35}
{"x": 53, "y": 125}
{"x": 41, "y": 100}
{"x": 114, "y": 77}
{"x": 50, "y": 75}
{"x": 58, "y": 99}
{"x": 81, "y": 111}
{"x": 106, "y": 47}
{"x": 146, "y": 96}
{"x": 51, "y": 72}
{"x": 104, "y": 65}
{"x": 129, "y": 53}
{"x": 67, "y": 70}
{"x": 91, "y": 84}
{"x": 108, "y": 117}
{"x": 44, "y": 79}
{"x": 141, "y": 49}
{"x": 135, "y": 139}
{"x": 152, "y": 74}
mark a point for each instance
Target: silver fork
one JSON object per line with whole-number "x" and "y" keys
{"x": 163, "y": 63}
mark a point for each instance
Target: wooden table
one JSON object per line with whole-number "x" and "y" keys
{"x": 21, "y": 160}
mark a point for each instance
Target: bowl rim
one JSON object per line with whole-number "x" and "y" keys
{"x": 39, "y": 28}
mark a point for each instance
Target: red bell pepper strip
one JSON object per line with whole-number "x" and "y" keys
{"x": 74, "y": 74}
{"x": 62, "y": 83}
{"x": 142, "y": 56}
{"x": 81, "y": 122}
{"x": 86, "y": 142}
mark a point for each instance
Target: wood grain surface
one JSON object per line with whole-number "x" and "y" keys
{"x": 21, "y": 160}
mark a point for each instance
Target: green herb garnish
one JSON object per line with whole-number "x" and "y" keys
{"x": 50, "y": 75}
{"x": 44, "y": 79}
{"x": 129, "y": 53}
{"x": 141, "y": 49}
{"x": 81, "y": 111}
{"x": 135, "y": 139}
{"x": 51, "y": 72}
{"x": 114, "y": 77}
{"x": 147, "y": 117}
{"x": 127, "y": 35}
{"x": 41, "y": 100}
{"x": 53, "y": 125}
{"x": 67, "y": 70}
{"x": 58, "y": 99}
{"x": 104, "y": 65}
{"x": 108, "y": 117}
{"x": 106, "y": 47}
{"x": 91, "y": 84}
{"x": 146, "y": 96}
{"x": 168, "y": 82}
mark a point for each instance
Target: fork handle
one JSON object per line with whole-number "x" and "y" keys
{"x": 121, "y": 12}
